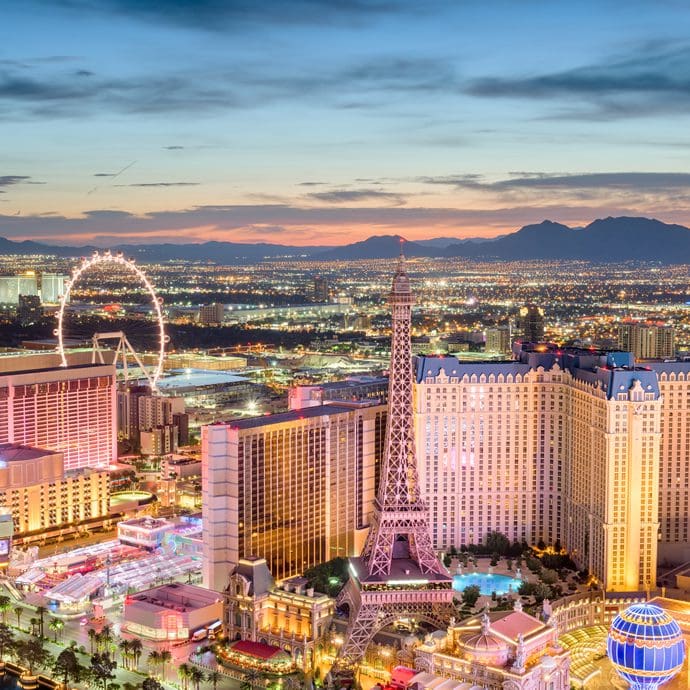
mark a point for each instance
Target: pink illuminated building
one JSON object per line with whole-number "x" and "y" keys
{"x": 65, "y": 409}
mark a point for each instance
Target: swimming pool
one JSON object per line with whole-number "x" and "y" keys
{"x": 487, "y": 583}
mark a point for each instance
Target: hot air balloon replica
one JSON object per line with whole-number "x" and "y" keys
{"x": 645, "y": 646}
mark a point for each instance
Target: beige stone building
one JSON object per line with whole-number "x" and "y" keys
{"x": 558, "y": 445}
{"x": 42, "y": 497}
{"x": 290, "y": 616}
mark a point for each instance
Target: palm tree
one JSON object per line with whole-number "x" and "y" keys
{"x": 183, "y": 671}
{"x": 92, "y": 638}
{"x": 154, "y": 658}
{"x": 34, "y": 624}
{"x": 137, "y": 648}
{"x": 5, "y": 605}
{"x": 197, "y": 676}
{"x": 250, "y": 678}
{"x": 125, "y": 653}
{"x": 18, "y": 611}
{"x": 214, "y": 677}
{"x": 41, "y": 611}
{"x": 56, "y": 625}
{"x": 165, "y": 657}
{"x": 104, "y": 639}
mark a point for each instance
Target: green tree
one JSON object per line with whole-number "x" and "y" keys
{"x": 151, "y": 684}
{"x": 470, "y": 595}
{"x": 548, "y": 576}
{"x": 214, "y": 677}
{"x": 92, "y": 639}
{"x": 104, "y": 639}
{"x": 183, "y": 671}
{"x": 67, "y": 667}
{"x": 197, "y": 676}
{"x": 32, "y": 653}
{"x": 19, "y": 611}
{"x": 542, "y": 591}
{"x": 102, "y": 667}
{"x": 497, "y": 542}
{"x": 154, "y": 659}
{"x": 56, "y": 625}
{"x": 250, "y": 678}
{"x": 328, "y": 577}
{"x": 137, "y": 648}
{"x": 7, "y": 641}
{"x": 34, "y": 625}
{"x": 126, "y": 653}
{"x": 5, "y": 606}
{"x": 534, "y": 564}
{"x": 165, "y": 657}
{"x": 41, "y": 611}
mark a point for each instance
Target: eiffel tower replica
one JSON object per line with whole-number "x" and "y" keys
{"x": 398, "y": 574}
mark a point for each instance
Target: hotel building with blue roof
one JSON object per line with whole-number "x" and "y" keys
{"x": 582, "y": 446}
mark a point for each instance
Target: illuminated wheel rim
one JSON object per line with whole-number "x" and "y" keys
{"x": 128, "y": 264}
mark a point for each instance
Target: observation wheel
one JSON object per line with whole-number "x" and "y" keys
{"x": 106, "y": 268}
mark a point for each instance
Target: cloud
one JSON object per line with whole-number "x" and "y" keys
{"x": 653, "y": 79}
{"x": 54, "y": 92}
{"x": 269, "y": 230}
{"x": 346, "y": 196}
{"x": 236, "y": 15}
{"x": 303, "y": 224}
{"x": 9, "y": 180}
{"x": 626, "y": 181}
{"x": 159, "y": 184}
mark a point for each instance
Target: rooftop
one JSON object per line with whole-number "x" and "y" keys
{"x": 12, "y": 452}
{"x": 292, "y": 416}
{"x": 68, "y": 368}
{"x": 193, "y": 378}
{"x": 403, "y": 570}
{"x": 176, "y": 596}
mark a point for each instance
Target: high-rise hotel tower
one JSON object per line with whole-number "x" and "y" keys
{"x": 295, "y": 488}
{"x": 557, "y": 445}
{"x": 64, "y": 409}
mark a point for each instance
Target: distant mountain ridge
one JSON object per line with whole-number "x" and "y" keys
{"x": 603, "y": 240}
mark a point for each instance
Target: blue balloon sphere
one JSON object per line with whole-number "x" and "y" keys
{"x": 645, "y": 646}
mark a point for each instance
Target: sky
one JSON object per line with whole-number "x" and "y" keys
{"x": 319, "y": 122}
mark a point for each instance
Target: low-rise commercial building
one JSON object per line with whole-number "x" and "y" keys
{"x": 42, "y": 497}
{"x": 172, "y": 612}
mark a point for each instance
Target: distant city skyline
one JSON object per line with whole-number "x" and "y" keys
{"x": 312, "y": 122}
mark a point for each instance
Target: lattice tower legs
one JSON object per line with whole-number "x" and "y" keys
{"x": 368, "y": 616}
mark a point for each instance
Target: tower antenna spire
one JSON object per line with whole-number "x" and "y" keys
{"x": 398, "y": 573}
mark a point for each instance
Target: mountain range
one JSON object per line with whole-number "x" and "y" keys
{"x": 604, "y": 240}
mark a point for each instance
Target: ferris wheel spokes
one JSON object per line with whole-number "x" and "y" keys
{"x": 123, "y": 349}
{"x": 124, "y": 344}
